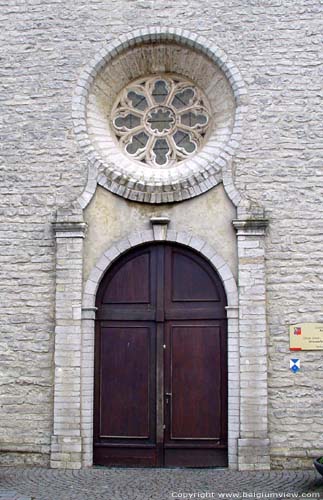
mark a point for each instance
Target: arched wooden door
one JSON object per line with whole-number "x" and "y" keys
{"x": 161, "y": 361}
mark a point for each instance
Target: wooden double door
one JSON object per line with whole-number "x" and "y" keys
{"x": 161, "y": 361}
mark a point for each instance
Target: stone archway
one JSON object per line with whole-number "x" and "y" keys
{"x": 88, "y": 315}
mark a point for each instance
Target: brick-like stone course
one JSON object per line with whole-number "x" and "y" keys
{"x": 44, "y": 46}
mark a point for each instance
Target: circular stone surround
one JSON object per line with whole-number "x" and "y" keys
{"x": 151, "y": 54}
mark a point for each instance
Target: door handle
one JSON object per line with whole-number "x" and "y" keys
{"x": 168, "y": 394}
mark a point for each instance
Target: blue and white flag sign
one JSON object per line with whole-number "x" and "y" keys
{"x": 295, "y": 365}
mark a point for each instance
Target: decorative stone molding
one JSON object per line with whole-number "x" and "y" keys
{"x": 87, "y": 369}
{"x": 160, "y": 225}
{"x": 139, "y": 238}
{"x": 88, "y": 312}
{"x": 250, "y": 227}
{"x": 69, "y": 229}
{"x": 206, "y": 65}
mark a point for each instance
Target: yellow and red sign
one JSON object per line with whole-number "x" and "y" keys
{"x": 306, "y": 337}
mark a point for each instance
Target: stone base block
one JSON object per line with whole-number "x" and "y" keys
{"x": 66, "y": 452}
{"x": 253, "y": 454}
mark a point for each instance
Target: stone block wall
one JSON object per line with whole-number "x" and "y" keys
{"x": 44, "y": 45}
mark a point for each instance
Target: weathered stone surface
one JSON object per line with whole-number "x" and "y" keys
{"x": 44, "y": 46}
{"x": 110, "y": 218}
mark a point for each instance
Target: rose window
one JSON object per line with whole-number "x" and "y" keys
{"x": 161, "y": 120}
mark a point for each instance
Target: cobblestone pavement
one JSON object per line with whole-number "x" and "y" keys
{"x": 154, "y": 484}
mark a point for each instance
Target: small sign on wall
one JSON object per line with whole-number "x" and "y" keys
{"x": 295, "y": 365}
{"x": 306, "y": 337}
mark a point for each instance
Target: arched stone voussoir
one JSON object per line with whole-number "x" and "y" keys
{"x": 140, "y": 238}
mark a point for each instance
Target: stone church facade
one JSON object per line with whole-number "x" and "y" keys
{"x": 145, "y": 124}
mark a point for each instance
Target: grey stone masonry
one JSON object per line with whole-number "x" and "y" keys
{"x": 66, "y": 445}
{"x": 254, "y": 452}
{"x": 276, "y": 161}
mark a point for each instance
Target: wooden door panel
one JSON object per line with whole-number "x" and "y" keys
{"x": 160, "y": 328}
{"x": 191, "y": 282}
{"x": 124, "y": 314}
{"x": 195, "y": 381}
{"x": 125, "y": 360}
{"x": 192, "y": 288}
{"x": 125, "y": 456}
{"x": 125, "y": 397}
{"x": 193, "y": 312}
{"x": 128, "y": 291}
{"x": 196, "y": 457}
{"x": 125, "y": 382}
{"x": 130, "y": 283}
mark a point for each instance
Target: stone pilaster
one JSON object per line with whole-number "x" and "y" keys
{"x": 66, "y": 444}
{"x": 233, "y": 385}
{"x": 87, "y": 384}
{"x": 253, "y": 444}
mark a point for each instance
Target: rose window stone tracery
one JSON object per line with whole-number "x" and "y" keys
{"x": 161, "y": 120}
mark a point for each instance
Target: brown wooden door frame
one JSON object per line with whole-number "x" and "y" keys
{"x": 161, "y": 306}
